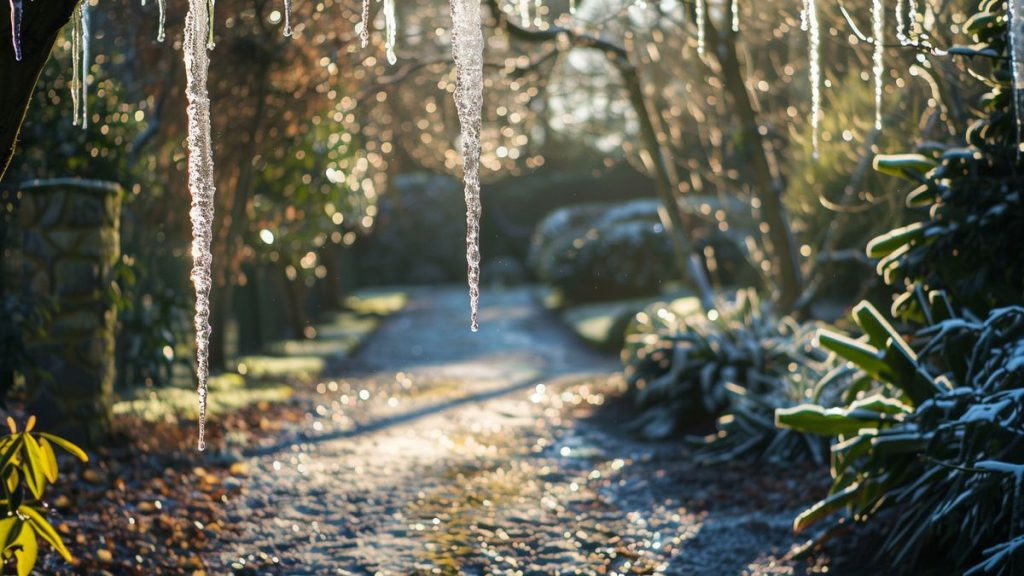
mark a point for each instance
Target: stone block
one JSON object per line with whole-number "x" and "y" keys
{"x": 77, "y": 277}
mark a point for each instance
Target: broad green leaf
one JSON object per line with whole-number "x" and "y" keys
{"x": 35, "y": 464}
{"x": 51, "y": 460}
{"x": 825, "y": 507}
{"x": 886, "y": 243}
{"x": 67, "y": 445}
{"x": 12, "y": 451}
{"x": 45, "y": 529}
{"x": 7, "y": 533}
{"x": 911, "y": 166}
{"x": 26, "y": 556}
{"x": 866, "y": 357}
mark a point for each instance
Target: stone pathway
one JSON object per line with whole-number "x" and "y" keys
{"x": 440, "y": 451}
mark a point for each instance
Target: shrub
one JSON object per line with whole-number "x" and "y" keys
{"x": 932, "y": 443}
{"x": 742, "y": 364}
{"x": 611, "y": 251}
{"x": 28, "y": 464}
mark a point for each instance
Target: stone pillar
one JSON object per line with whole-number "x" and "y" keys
{"x": 70, "y": 244}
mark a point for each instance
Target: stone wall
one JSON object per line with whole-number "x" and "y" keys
{"x": 70, "y": 244}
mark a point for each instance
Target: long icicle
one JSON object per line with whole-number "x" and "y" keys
{"x": 364, "y": 24}
{"x": 524, "y": 13}
{"x": 901, "y": 25}
{"x": 17, "y": 13}
{"x": 76, "y": 64}
{"x": 735, "y": 9}
{"x": 86, "y": 61}
{"x": 878, "y": 63}
{"x": 809, "y": 20}
{"x": 160, "y": 33}
{"x": 210, "y": 43}
{"x": 912, "y": 15}
{"x": 468, "y": 53}
{"x": 699, "y": 13}
{"x": 538, "y": 18}
{"x": 287, "y": 17}
{"x": 1015, "y": 30}
{"x": 201, "y": 187}
{"x": 390, "y": 30}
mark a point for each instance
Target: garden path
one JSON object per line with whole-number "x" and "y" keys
{"x": 440, "y": 451}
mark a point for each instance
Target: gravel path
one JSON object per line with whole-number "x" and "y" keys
{"x": 441, "y": 451}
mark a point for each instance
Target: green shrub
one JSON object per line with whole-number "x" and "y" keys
{"x": 932, "y": 441}
{"x": 594, "y": 252}
{"x": 743, "y": 364}
{"x": 28, "y": 464}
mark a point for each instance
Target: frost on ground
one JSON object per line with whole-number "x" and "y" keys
{"x": 468, "y": 53}
{"x": 200, "y": 185}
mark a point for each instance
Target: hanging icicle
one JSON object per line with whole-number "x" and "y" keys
{"x": 901, "y": 25}
{"x": 572, "y": 7}
{"x": 17, "y": 12}
{"x": 1015, "y": 28}
{"x": 878, "y": 64}
{"x": 809, "y": 22}
{"x": 524, "y": 13}
{"x": 468, "y": 53}
{"x": 364, "y": 24}
{"x": 390, "y": 30}
{"x": 86, "y": 60}
{"x": 912, "y": 33}
{"x": 201, "y": 187}
{"x": 735, "y": 9}
{"x": 538, "y": 19}
{"x": 288, "y": 18}
{"x": 160, "y": 34}
{"x": 699, "y": 10}
{"x": 210, "y": 44}
{"x": 76, "y": 65}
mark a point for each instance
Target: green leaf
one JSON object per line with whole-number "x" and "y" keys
{"x": 29, "y": 549}
{"x": 35, "y": 466}
{"x": 7, "y": 533}
{"x": 67, "y": 445}
{"x": 51, "y": 460}
{"x": 865, "y": 356}
{"x": 825, "y": 507}
{"x": 886, "y": 243}
{"x": 12, "y": 450}
{"x": 910, "y": 166}
{"x": 825, "y": 421}
{"x": 45, "y": 529}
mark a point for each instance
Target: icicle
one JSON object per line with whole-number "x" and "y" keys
{"x": 538, "y": 19}
{"x": 210, "y": 44}
{"x": 86, "y": 61}
{"x": 391, "y": 30}
{"x": 699, "y": 9}
{"x": 735, "y": 15}
{"x": 201, "y": 187}
{"x": 878, "y": 67}
{"x": 288, "y": 18}
{"x": 572, "y": 6}
{"x": 364, "y": 24}
{"x": 912, "y": 8}
{"x": 524, "y": 13}
{"x": 76, "y": 63}
{"x": 160, "y": 34}
{"x": 901, "y": 26}
{"x": 17, "y": 12}
{"x": 1015, "y": 27}
{"x": 468, "y": 53}
{"x": 809, "y": 21}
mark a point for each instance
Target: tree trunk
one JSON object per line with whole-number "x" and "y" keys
{"x": 779, "y": 235}
{"x": 39, "y": 28}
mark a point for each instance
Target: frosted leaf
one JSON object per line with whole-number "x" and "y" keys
{"x": 699, "y": 10}
{"x": 17, "y": 13}
{"x": 201, "y": 188}
{"x": 1016, "y": 33}
{"x": 468, "y": 53}
{"x": 809, "y": 20}
{"x": 878, "y": 64}
{"x": 364, "y": 24}
{"x": 390, "y": 30}
{"x": 735, "y": 9}
{"x": 287, "y": 17}
{"x": 160, "y": 33}
{"x": 524, "y": 13}
{"x": 86, "y": 61}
